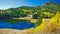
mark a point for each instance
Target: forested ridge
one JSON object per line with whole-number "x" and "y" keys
{"x": 46, "y": 10}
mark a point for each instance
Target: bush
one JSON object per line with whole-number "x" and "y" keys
{"x": 38, "y": 22}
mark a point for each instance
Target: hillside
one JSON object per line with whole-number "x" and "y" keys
{"x": 24, "y": 11}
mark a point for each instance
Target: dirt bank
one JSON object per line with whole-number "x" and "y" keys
{"x": 14, "y": 31}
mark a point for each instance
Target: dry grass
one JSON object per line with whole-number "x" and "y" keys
{"x": 13, "y": 31}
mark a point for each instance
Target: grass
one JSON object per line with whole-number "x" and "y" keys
{"x": 14, "y": 20}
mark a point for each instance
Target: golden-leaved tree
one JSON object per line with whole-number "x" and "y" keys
{"x": 51, "y": 26}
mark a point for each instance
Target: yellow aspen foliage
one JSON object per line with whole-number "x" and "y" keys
{"x": 9, "y": 12}
{"x": 53, "y": 23}
{"x": 1, "y": 12}
{"x": 45, "y": 13}
{"x": 49, "y": 14}
{"x": 58, "y": 18}
{"x": 25, "y": 10}
{"x": 50, "y": 26}
{"x": 30, "y": 10}
{"x": 59, "y": 23}
{"x": 41, "y": 27}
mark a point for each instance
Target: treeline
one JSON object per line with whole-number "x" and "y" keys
{"x": 46, "y": 10}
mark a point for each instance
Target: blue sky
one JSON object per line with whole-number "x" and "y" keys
{"x": 5, "y": 4}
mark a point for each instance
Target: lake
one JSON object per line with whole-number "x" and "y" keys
{"x": 16, "y": 24}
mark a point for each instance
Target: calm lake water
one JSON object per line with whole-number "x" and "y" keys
{"x": 16, "y": 24}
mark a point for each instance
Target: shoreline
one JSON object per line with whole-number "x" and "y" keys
{"x": 15, "y": 31}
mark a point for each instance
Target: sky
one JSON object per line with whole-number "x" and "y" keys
{"x": 5, "y": 4}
